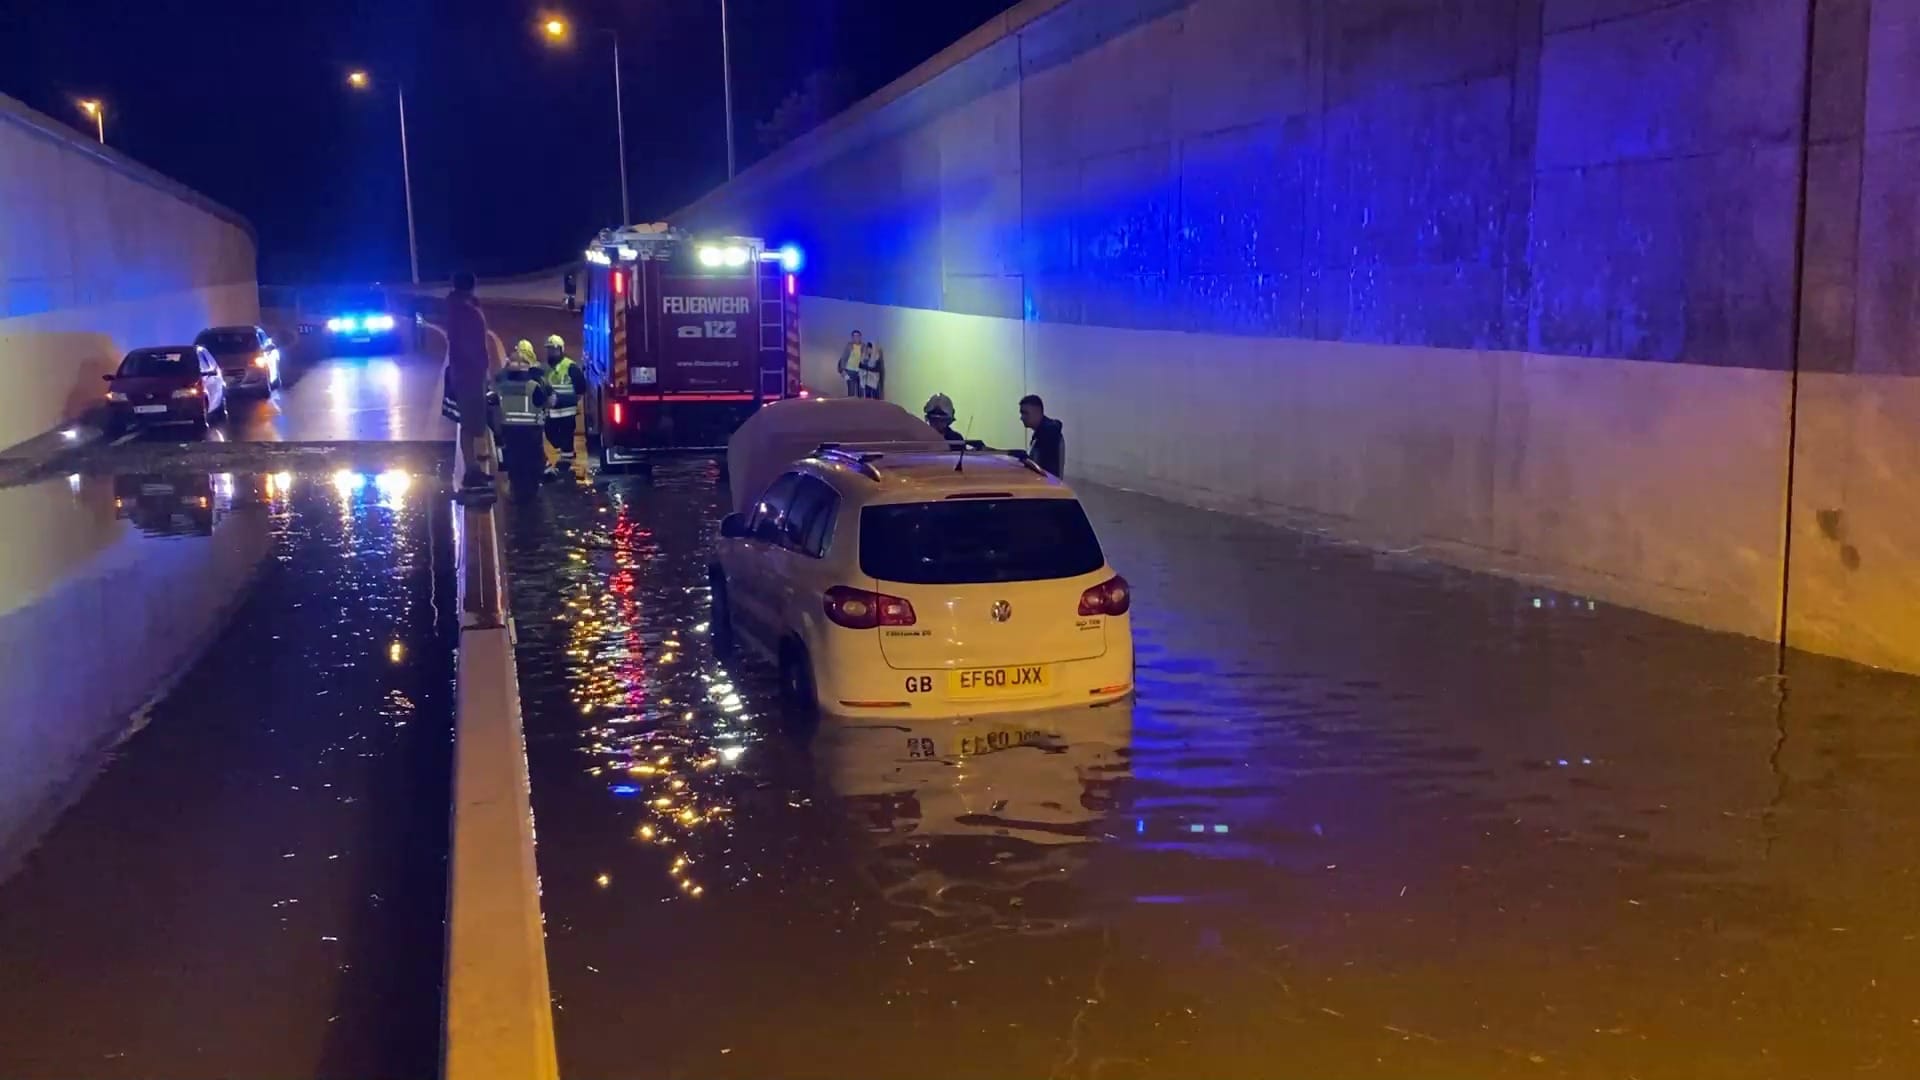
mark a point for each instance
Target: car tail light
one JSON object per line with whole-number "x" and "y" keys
{"x": 864, "y": 609}
{"x": 1110, "y": 597}
{"x": 617, "y": 413}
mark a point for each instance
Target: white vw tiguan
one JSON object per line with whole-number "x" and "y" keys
{"x": 924, "y": 583}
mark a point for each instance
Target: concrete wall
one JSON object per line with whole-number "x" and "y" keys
{"x": 99, "y": 255}
{"x": 1515, "y": 283}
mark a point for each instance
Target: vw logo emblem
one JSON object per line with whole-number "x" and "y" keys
{"x": 1002, "y": 611}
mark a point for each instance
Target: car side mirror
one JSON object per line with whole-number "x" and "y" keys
{"x": 106, "y": 378}
{"x": 734, "y": 527}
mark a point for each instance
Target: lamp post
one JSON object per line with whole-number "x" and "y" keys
{"x": 726, "y": 82}
{"x": 556, "y": 29}
{"x": 94, "y": 108}
{"x": 359, "y": 80}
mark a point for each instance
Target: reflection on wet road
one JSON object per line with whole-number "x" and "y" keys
{"x": 246, "y": 878}
{"x": 1367, "y": 818}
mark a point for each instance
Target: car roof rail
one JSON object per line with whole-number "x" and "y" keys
{"x": 859, "y": 462}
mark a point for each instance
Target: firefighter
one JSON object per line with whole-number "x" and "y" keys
{"x": 939, "y": 414}
{"x": 524, "y": 394}
{"x": 568, "y": 382}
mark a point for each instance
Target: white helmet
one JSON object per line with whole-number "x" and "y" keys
{"x": 939, "y": 405}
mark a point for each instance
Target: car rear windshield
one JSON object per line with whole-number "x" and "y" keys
{"x": 142, "y": 364}
{"x": 974, "y": 541}
{"x": 228, "y": 341}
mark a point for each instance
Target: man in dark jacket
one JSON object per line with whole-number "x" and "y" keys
{"x": 1048, "y": 443}
{"x": 466, "y": 397}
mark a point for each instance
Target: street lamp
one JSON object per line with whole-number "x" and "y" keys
{"x": 93, "y": 107}
{"x": 360, "y": 81}
{"x": 557, "y": 29}
{"x": 726, "y": 82}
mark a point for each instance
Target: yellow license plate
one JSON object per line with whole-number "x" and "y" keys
{"x": 1020, "y": 680}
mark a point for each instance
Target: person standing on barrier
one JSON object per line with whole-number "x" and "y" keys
{"x": 465, "y": 398}
{"x": 568, "y": 382}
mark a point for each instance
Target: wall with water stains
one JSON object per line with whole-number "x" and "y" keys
{"x": 1513, "y": 283}
{"x": 99, "y": 255}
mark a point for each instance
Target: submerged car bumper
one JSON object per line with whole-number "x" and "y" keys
{"x": 852, "y": 679}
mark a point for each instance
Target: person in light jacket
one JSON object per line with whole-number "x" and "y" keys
{"x": 849, "y": 366}
{"x": 873, "y": 370}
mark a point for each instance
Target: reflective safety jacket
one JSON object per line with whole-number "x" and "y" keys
{"x": 523, "y": 395}
{"x": 568, "y": 381}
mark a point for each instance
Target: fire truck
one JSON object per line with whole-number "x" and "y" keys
{"x": 683, "y": 338}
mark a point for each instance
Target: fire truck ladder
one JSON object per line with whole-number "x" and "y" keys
{"x": 773, "y": 332}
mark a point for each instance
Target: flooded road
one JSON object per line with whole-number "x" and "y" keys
{"x": 1367, "y": 817}
{"x": 245, "y": 875}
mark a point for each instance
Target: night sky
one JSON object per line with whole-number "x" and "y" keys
{"x": 514, "y": 161}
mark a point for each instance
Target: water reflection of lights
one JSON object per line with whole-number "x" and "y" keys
{"x": 625, "y": 679}
{"x": 393, "y": 485}
{"x": 386, "y": 375}
{"x": 347, "y": 482}
{"x": 396, "y": 652}
{"x": 73, "y": 483}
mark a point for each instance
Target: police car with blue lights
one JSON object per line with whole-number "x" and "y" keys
{"x": 352, "y": 320}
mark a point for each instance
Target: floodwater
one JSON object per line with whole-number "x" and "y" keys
{"x": 230, "y": 709}
{"x": 1366, "y": 818}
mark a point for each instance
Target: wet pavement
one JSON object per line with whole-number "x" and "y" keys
{"x": 232, "y": 727}
{"x": 337, "y": 399}
{"x": 1368, "y": 817}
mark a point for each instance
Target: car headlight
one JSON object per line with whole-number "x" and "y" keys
{"x": 337, "y": 324}
{"x": 187, "y": 391}
{"x": 260, "y": 361}
{"x": 115, "y": 395}
{"x": 379, "y": 322}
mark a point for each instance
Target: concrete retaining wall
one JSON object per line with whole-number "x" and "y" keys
{"x": 1514, "y": 282}
{"x": 99, "y": 255}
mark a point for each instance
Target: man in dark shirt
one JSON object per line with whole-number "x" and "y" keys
{"x": 1048, "y": 444}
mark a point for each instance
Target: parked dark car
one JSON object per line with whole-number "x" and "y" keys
{"x": 248, "y": 358}
{"x": 166, "y": 384}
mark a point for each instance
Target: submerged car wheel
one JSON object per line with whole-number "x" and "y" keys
{"x": 797, "y": 695}
{"x": 724, "y": 642}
